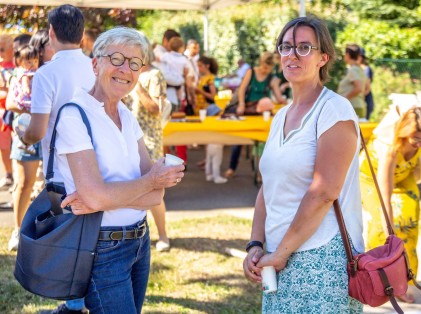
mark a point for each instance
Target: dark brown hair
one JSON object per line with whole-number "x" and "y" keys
{"x": 353, "y": 51}
{"x": 211, "y": 62}
{"x": 176, "y": 43}
{"x": 324, "y": 40}
{"x": 26, "y": 52}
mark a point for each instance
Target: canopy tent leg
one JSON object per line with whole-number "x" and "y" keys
{"x": 302, "y": 8}
{"x": 205, "y": 30}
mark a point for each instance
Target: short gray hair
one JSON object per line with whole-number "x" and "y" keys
{"x": 120, "y": 36}
{"x": 149, "y": 56}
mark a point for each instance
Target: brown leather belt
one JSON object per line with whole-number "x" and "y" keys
{"x": 133, "y": 234}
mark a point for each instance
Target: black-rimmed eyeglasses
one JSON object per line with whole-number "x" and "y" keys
{"x": 117, "y": 59}
{"x": 301, "y": 49}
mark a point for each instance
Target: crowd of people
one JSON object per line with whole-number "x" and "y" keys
{"x": 314, "y": 141}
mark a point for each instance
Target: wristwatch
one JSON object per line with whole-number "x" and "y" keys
{"x": 252, "y": 244}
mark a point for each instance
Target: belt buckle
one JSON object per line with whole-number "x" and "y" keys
{"x": 142, "y": 229}
{"x": 118, "y": 235}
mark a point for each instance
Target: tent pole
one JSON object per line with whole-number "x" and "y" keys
{"x": 205, "y": 30}
{"x": 302, "y": 8}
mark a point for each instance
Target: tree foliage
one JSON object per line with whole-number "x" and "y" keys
{"x": 21, "y": 19}
{"x": 385, "y": 28}
{"x": 383, "y": 40}
{"x": 402, "y": 13}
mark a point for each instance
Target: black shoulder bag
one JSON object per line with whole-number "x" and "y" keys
{"x": 56, "y": 248}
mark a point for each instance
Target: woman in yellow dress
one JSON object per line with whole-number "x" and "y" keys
{"x": 394, "y": 152}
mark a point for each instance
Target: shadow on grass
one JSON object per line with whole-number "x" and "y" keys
{"x": 197, "y": 244}
{"x": 238, "y": 295}
{"x": 232, "y": 304}
{"x": 13, "y": 298}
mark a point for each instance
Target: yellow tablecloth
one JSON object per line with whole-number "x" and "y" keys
{"x": 228, "y": 132}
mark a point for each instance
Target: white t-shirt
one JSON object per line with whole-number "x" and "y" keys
{"x": 193, "y": 67}
{"x": 287, "y": 167}
{"x": 175, "y": 61}
{"x": 116, "y": 151}
{"x": 53, "y": 86}
{"x": 159, "y": 50}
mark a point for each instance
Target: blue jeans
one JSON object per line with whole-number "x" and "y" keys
{"x": 119, "y": 275}
{"x": 235, "y": 156}
{"x": 75, "y": 305}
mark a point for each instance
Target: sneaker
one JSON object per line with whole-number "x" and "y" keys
{"x": 6, "y": 205}
{"x": 162, "y": 246}
{"x": 14, "y": 241}
{"x": 6, "y": 183}
{"x": 209, "y": 177}
{"x": 220, "y": 180}
{"x": 63, "y": 309}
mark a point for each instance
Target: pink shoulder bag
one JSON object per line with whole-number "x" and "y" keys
{"x": 377, "y": 276}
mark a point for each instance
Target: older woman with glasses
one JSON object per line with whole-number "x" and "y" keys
{"x": 114, "y": 174}
{"x": 395, "y": 151}
{"x": 309, "y": 160}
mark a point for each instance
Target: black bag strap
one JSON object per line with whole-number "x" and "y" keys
{"x": 50, "y": 170}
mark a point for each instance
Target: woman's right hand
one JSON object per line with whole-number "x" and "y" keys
{"x": 163, "y": 176}
{"x": 251, "y": 271}
{"x": 240, "y": 110}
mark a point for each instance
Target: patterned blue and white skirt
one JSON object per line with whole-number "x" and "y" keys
{"x": 314, "y": 281}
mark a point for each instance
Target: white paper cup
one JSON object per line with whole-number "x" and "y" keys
{"x": 202, "y": 114}
{"x": 266, "y": 115}
{"x": 171, "y": 160}
{"x": 418, "y": 93}
{"x": 269, "y": 283}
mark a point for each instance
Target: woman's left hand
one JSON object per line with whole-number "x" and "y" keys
{"x": 274, "y": 260}
{"x": 77, "y": 205}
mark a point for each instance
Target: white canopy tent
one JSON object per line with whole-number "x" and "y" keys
{"x": 201, "y": 5}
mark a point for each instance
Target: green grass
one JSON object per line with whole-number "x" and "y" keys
{"x": 196, "y": 276}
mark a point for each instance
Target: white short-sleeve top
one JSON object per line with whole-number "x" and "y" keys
{"x": 116, "y": 150}
{"x": 287, "y": 167}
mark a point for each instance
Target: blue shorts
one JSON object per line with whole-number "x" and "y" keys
{"x": 22, "y": 155}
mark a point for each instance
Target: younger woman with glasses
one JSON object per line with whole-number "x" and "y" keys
{"x": 310, "y": 159}
{"x": 394, "y": 150}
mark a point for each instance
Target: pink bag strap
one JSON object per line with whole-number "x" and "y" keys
{"x": 340, "y": 218}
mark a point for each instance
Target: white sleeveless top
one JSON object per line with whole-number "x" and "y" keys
{"x": 287, "y": 167}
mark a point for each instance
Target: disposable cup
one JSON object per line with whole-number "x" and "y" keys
{"x": 269, "y": 283}
{"x": 418, "y": 93}
{"x": 202, "y": 114}
{"x": 171, "y": 160}
{"x": 266, "y": 115}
